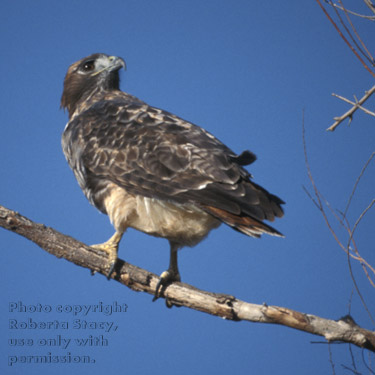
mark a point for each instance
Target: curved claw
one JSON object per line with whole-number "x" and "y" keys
{"x": 111, "y": 269}
{"x": 166, "y": 278}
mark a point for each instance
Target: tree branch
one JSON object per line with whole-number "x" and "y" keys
{"x": 180, "y": 294}
{"x": 354, "y": 104}
{"x": 371, "y": 18}
{"x": 357, "y": 105}
{"x": 344, "y": 38}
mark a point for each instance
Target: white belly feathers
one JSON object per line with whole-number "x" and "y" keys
{"x": 185, "y": 224}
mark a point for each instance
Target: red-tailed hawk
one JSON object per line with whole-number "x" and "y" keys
{"x": 153, "y": 171}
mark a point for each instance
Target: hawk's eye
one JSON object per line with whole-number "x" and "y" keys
{"x": 88, "y": 66}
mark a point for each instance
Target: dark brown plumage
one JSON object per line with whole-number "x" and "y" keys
{"x": 151, "y": 170}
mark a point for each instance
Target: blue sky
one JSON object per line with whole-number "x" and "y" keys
{"x": 243, "y": 70}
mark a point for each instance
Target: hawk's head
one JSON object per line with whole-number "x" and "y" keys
{"x": 93, "y": 73}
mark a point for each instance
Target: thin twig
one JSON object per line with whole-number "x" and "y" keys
{"x": 370, "y": 5}
{"x": 355, "y": 104}
{"x": 345, "y": 40}
{"x": 371, "y": 18}
{"x": 320, "y": 206}
{"x": 357, "y": 182}
{"x": 352, "y": 357}
{"x": 361, "y": 217}
{"x": 339, "y": 120}
{"x": 350, "y": 34}
{"x": 366, "y": 365}
{"x": 364, "y": 264}
{"x": 368, "y": 56}
{"x": 355, "y": 282}
{"x": 343, "y": 221}
{"x": 355, "y": 372}
{"x": 331, "y": 360}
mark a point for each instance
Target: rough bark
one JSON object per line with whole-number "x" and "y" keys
{"x": 181, "y": 294}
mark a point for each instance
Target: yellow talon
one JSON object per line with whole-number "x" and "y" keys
{"x": 111, "y": 248}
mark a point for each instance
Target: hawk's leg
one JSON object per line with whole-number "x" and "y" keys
{"x": 111, "y": 248}
{"x": 171, "y": 274}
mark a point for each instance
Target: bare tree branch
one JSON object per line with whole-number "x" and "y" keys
{"x": 357, "y": 50}
{"x": 371, "y": 18}
{"x": 345, "y": 39}
{"x": 357, "y": 105}
{"x": 331, "y": 360}
{"x": 370, "y": 4}
{"x": 357, "y": 182}
{"x": 348, "y": 249}
{"x": 180, "y": 294}
{"x": 367, "y": 53}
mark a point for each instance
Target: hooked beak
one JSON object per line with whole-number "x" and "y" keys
{"x": 110, "y": 64}
{"x": 117, "y": 63}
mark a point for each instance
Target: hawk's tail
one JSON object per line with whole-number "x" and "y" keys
{"x": 243, "y": 223}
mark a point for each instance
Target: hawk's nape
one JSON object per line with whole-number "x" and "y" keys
{"x": 153, "y": 171}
